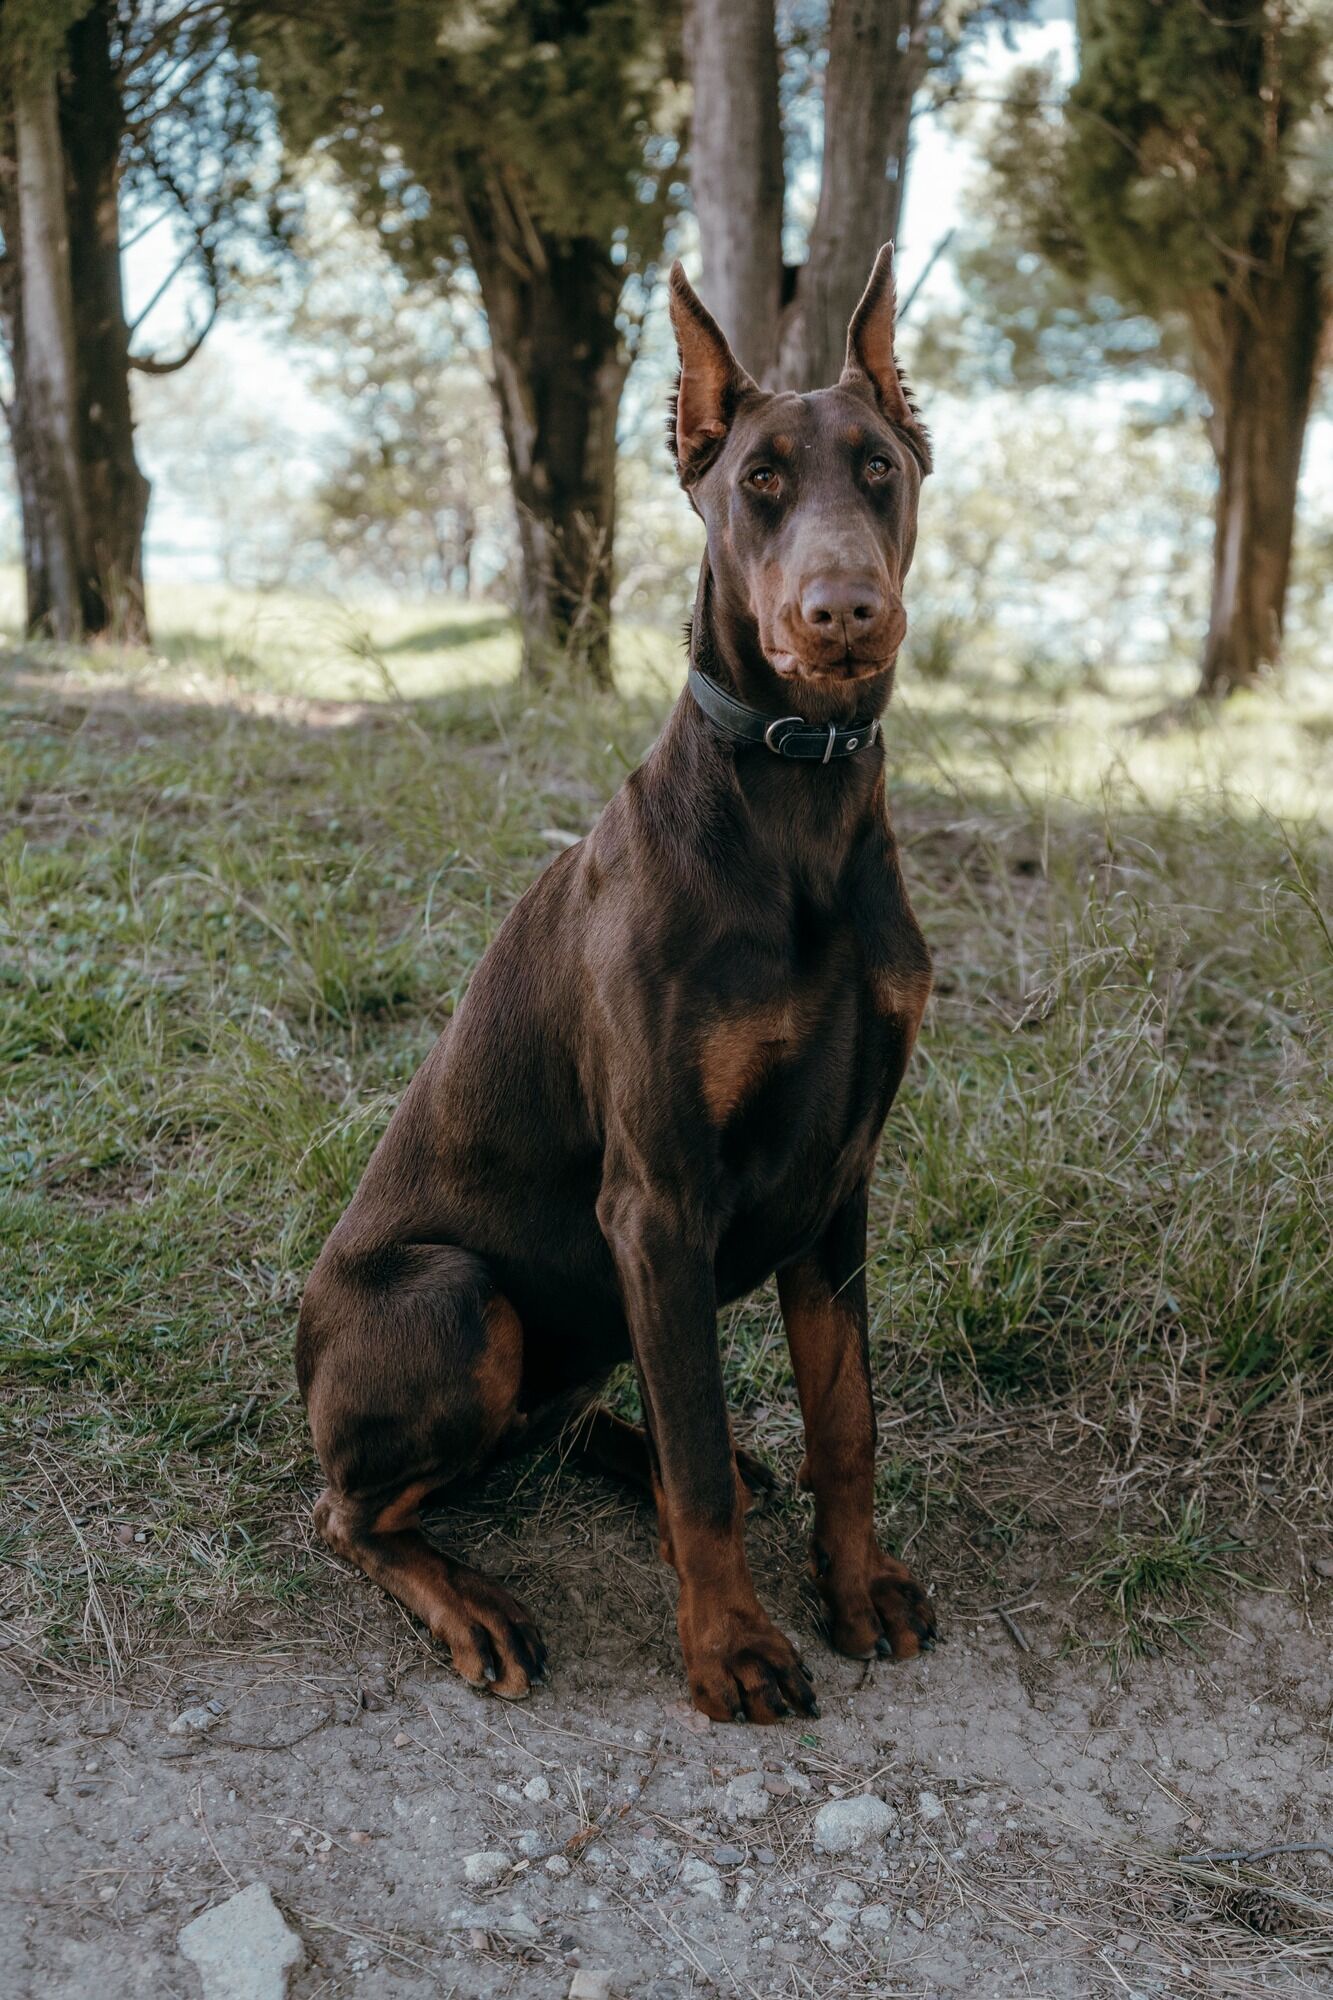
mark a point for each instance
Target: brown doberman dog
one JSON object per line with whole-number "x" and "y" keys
{"x": 667, "y": 1081}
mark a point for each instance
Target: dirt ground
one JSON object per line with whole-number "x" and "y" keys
{"x": 1045, "y": 1803}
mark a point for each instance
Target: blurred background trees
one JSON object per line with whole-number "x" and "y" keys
{"x": 437, "y": 228}
{"x": 1187, "y": 171}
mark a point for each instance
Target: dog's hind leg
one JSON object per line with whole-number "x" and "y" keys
{"x": 410, "y": 1361}
{"x": 622, "y": 1450}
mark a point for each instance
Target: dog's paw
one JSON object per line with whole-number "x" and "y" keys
{"x": 492, "y": 1640}
{"x": 754, "y": 1675}
{"x": 882, "y": 1613}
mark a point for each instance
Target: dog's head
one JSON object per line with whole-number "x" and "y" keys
{"x": 810, "y": 504}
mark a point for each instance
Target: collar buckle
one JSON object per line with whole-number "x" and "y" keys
{"x": 783, "y": 722}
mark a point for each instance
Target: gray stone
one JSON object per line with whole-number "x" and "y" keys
{"x": 846, "y": 1824}
{"x": 532, "y": 1845}
{"x": 836, "y": 1937}
{"x": 590, "y": 1983}
{"x": 538, "y": 1790}
{"x": 929, "y": 1805}
{"x": 728, "y": 1857}
{"x": 196, "y": 1721}
{"x": 243, "y": 1948}
{"x": 701, "y": 1879}
{"x": 745, "y": 1797}
{"x": 517, "y": 1924}
{"x": 556, "y": 1864}
{"x": 876, "y": 1917}
{"x": 484, "y": 1870}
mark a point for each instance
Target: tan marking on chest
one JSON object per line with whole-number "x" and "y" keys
{"x": 737, "y": 1053}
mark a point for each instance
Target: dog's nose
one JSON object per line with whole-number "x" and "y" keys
{"x": 850, "y": 605}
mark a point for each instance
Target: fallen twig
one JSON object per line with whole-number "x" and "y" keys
{"x": 1247, "y": 1854}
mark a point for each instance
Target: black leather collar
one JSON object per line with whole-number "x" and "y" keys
{"x": 784, "y": 735}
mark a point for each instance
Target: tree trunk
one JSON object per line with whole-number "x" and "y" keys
{"x": 114, "y": 489}
{"x": 46, "y": 392}
{"x": 736, "y": 171}
{"x": 27, "y": 476}
{"x": 560, "y": 367}
{"x": 876, "y": 59}
{"x": 1261, "y": 371}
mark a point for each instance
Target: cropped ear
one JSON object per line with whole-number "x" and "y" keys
{"x": 871, "y": 359}
{"x": 710, "y": 383}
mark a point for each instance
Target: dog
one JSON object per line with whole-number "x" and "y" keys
{"x": 667, "y": 1081}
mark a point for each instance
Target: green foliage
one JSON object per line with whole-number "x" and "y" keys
{"x": 1178, "y": 152}
{"x": 32, "y": 34}
{"x": 568, "y": 112}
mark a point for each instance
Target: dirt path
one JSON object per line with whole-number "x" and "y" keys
{"x": 1040, "y": 1814}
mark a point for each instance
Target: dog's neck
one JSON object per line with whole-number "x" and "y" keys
{"x": 810, "y": 817}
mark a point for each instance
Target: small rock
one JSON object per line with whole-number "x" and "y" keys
{"x": 846, "y": 1824}
{"x": 400, "y": 1741}
{"x": 1323, "y": 1566}
{"x": 765, "y": 1856}
{"x": 876, "y": 1917}
{"x": 196, "y": 1721}
{"x": 518, "y": 1924}
{"x": 532, "y": 1845}
{"x": 664, "y": 1989}
{"x": 929, "y": 1805}
{"x": 728, "y": 1857}
{"x": 701, "y": 1878}
{"x": 243, "y": 1948}
{"x": 849, "y": 1894}
{"x": 484, "y": 1870}
{"x": 538, "y": 1790}
{"x": 836, "y": 1937}
{"x": 556, "y": 1864}
{"x": 590, "y": 1983}
{"x": 745, "y": 1796}
{"x": 915, "y": 1919}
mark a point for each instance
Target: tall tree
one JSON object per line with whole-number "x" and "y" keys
{"x": 788, "y": 322}
{"x": 39, "y": 311}
{"x": 1183, "y": 172}
{"x": 534, "y": 141}
{"x": 97, "y": 100}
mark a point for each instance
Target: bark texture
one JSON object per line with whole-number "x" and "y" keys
{"x": 47, "y": 391}
{"x": 876, "y": 60}
{"x": 115, "y": 490}
{"x": 560, "y": 368}
{"x": 736, "y": 170}
{"x": 788, "y": 326}
{"x": 1260, "y": 356}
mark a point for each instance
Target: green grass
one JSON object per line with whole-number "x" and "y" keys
{"x": 243, "y": 882}
{"x": 1158, "y": 1584}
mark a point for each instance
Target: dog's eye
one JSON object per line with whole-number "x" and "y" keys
{"x": 763, "y": 479}
{"x": 878, "y": 467}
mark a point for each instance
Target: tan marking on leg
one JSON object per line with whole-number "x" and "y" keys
{"x": 900, "y": 995}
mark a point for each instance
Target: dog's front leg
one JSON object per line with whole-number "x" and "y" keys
{"x": 874, "y": 1603}
{"x": 740, "y": 1666}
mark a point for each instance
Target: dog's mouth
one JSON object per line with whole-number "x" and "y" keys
{"x": 827, "y": 673}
